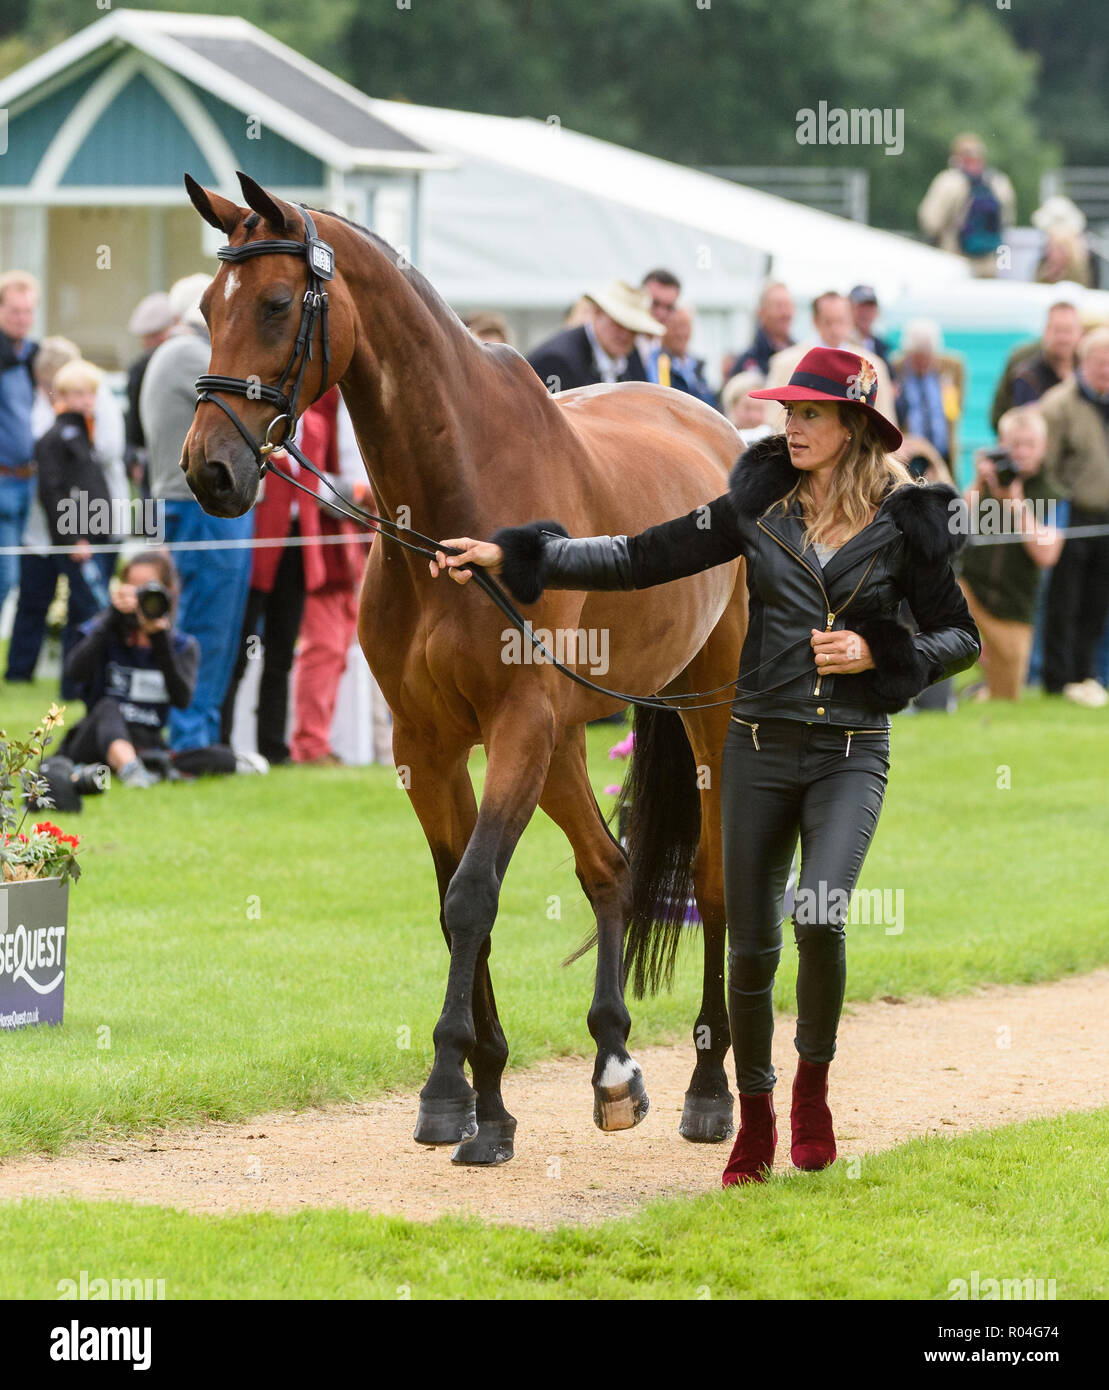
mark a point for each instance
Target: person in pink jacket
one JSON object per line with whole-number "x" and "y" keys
{"x": 332, "y": 578}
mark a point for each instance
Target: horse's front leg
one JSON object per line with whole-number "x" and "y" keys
{"x": 519, "y": 746}
{"x": 619, "y": 1093}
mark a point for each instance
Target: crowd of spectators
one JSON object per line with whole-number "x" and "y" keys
{"x": 158, "y": 652}
{"x": 1041, "y": 599}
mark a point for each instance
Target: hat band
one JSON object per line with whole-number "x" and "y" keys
{"x": 826, "y": 383}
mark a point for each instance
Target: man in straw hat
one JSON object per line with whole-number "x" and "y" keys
{"x": 603, "y": 349}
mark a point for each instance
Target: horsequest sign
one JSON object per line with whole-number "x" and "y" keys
{"x": 33, "y": 917}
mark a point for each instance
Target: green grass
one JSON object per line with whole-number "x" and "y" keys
{"x": 181, "y": 1004}
{"x": 1022, "y": 1202}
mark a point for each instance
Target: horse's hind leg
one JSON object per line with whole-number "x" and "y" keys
{"x": 708, "y": 1112}
{"x": 620, "y": 1097}
{"x": 449, "y": 1112}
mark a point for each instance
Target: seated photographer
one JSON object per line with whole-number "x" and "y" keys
{"x": 1001, "y": 579}
{"x": 132, "y": 666}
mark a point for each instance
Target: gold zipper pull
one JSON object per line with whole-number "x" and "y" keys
{"x": 755, "y": 736}
{"x": 849, "y": 733}
{"x": 831, "y": 620}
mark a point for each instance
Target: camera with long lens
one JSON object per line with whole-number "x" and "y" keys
{"x": 152, "y": 602}
{"x": 1004, "y": 466}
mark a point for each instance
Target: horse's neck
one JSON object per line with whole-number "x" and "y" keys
{"x": 414, "y": 392}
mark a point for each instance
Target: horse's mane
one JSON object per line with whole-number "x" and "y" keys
{"x": 419, "y": 282}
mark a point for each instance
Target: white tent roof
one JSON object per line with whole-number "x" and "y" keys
{"x": 559, "y": 169}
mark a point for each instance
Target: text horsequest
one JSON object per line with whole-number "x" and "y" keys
{"x": 32, "y": 952}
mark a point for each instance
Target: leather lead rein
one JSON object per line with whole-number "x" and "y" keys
{"x": 320, "y": 259}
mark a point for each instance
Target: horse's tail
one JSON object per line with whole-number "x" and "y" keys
{"x": 659, "y": 811}
{"x": 663, "y": 830}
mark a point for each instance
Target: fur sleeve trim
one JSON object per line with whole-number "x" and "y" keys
{"x": 761, "y": 475}
{"x": 524, "y": 570}
{"x": 900, "y": 672}
{"x": 932, "y": 517}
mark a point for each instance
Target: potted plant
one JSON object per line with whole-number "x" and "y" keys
{"x": 37, "y": 862}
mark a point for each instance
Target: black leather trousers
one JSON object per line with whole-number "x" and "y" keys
{"x": 780, "y": 780}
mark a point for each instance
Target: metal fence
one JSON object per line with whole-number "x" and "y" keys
{"x": 1088, "y": 187}
{"x": 845, "y": 192}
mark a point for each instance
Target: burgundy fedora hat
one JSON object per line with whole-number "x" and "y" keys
{"x": 830, "y": 374}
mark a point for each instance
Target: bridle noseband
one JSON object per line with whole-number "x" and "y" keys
{"x": 320, "y": 259}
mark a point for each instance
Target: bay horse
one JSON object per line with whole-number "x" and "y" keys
{"x": 459, "y": 438}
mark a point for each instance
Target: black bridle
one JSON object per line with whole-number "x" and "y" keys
{"x": 320, "y": 259}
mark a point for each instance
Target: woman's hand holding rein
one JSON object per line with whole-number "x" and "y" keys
{"x": 471, "y": 552}
{"x": 840, "y": 653}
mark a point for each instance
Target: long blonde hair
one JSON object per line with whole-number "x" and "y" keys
{"x": 857, "y": 486}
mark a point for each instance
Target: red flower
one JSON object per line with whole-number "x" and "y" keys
{"x": 49, "y": 827}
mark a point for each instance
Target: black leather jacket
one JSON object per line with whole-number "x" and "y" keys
{"x": 904, "y": 553}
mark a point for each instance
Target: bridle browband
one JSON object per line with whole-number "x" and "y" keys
{"x": 320, "y": 259}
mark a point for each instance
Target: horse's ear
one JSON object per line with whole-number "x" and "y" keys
{"x": 260, "y": 202}
{"x": 218, "y": 212}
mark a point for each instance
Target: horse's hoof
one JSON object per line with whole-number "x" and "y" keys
{"x": 622, "y": 1104}
{"x": 492, "y": 1144}
{"x": 707, "y": 1119}
{"x": 445, "y": 1121}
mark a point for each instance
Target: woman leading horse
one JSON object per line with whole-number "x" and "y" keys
{"x": 835, "y": 534}
{"x": 457, "y": 434}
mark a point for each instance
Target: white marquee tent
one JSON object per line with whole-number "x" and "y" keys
{"x": 534, "y": 214}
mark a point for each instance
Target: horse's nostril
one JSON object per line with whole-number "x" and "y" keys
{"x": 218, "y": 478}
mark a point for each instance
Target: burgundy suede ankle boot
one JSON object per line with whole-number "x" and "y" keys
{"x": 814, "y": 1143}
{"x": 753, "y": 1150}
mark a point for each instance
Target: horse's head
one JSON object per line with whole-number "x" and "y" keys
{"x": 254, "y": 309}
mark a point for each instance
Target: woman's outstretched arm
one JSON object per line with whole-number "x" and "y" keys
{"x": 541, "y": 555}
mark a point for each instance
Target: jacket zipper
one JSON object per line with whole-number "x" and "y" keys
{"x": 852, "y": 732}
{"x": 753, "y": 727}
{"x": 827, "y": 602}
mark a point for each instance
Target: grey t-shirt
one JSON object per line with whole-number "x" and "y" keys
{"x": 824, "y": 551}
{"x": 167, "y": 404}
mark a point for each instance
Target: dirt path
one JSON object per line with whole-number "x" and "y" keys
{"x": 904, "y": 1069}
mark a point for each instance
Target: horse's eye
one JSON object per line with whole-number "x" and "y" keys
{"x": 278, "y": 308}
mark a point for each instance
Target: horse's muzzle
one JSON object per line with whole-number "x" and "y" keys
{"x": 219, "y": 491}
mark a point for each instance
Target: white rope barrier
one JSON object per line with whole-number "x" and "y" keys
{"x": 138, "y": 543}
